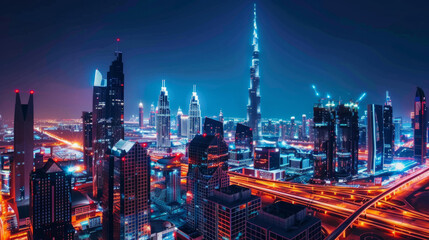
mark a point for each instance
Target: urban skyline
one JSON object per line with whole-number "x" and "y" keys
{"x": 291, "y": 35}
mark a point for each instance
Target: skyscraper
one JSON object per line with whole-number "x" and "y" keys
{"x": 184, "y": 122}
{"x": 254, "y": 106}
{"x": 179, "y": 122}
{"x": 87, "y": 141}
{"x": 99, "y": 134}
{"x": 152, "y": 115}
{"x": 292, "y": 128}
{"x": 213, "y": 127}
{"x": 141, "y": 117}
{"x": 23, "y": 145}
{"x": 267, "y": 158}
{"x": 127, "y": 192}
{"x": 324, "y": 140}
{"x": 397, "y": 122}
{"x": 304, "y": 127}
{"x": 375, "y": 138}
{"x": 50, "y": 203}
{"x": 388, "y": 131}
{"x": 163, "y": 119}
{"x": 420, "y": 126}
{"x": 221, "y": 116}
{"x": 244, "y": 137}
{"x": 194, "y": 115}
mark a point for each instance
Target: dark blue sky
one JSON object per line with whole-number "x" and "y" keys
{"x": 343, "y": 47}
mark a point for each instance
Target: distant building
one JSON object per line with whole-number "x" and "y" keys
{"x": 141, "y": 116}
{"x": 266, "y": 158}
{"x": 304, "y": 128}
{"x": 244, "y": 137}
{"x": 50, "y": 203}
{"x": 87, "y": 141}
{"x": 284, "y": 221}
{"x": 388, "y": 131}
{"x": 375, "y": 138}
{"x": 420, "y": 126}
{"x": 126, "y": 195}
{"x": 213, "y": 127}
{"x": 163, "y": 119}
{"x": 179, "y": 122}
{"x": 397, "y": 122}
{"x": 221, "y": 116}
{"x": 194, "y": 115}
{"x": 240, "y": 157}
{"x": 152, "y": 116}
{"x": 227, "y": 211}
{"x": 184, "y": 119}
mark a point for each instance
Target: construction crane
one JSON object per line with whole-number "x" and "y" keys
{"x": 361, "y": 97}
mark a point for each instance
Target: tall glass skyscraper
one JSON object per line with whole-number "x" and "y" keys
{"x": 420, "y": 126}
{"x": 163, "y": 119}
{"x": 375, "y": 138}
{"x": 254, "y": 105}
{"x": 388, "y": 130}
{"x": 194, "y": 115}
{"x": 141, "y": 116}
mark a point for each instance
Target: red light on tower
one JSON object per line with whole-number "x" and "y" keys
{"x": 32, "y": 92}
{"x": 204, "y": 134}
{"x": 16, "y": 90}
{"x": 118, "y": 39}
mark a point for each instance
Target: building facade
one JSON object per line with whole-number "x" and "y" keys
{"x": 420, "y": 126}
{"x": 375, "y": 139}
{"x": 87, "y": 141}
{"x": 194, "y": 115}
{"x": 163, "y": 119}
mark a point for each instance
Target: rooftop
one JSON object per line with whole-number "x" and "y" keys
{"x": 283, "y": 209}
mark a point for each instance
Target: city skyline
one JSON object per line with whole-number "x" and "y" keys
{"x": 214, "y": 55}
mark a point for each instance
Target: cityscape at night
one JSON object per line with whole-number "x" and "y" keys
{"x": 217, "y": 120}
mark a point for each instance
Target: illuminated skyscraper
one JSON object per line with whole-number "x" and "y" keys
{"x": 375, "y": 138}
{"x": 23, "y": 145}
{"x": 221, "y": 116}
{"x": 267, "y": 158}
{"x": 388, "y": 131}
{"x": 397, "y": 122}
{"x": 141, "y": 117}
{"x": 179, "y": 122}
{"x": 324, "y": 140}
{"x": 420, "y": 126}
{"x": 292, "y": 128}
{"x": 254, "y": 106}
{"x": 99, "y": 134}
{"x": 243, "y": 137}
{"x": 152, "y": 116}
{"x": 194, "y": 115}
{"x": 87, "y": 141}
{"x": 163, "y": 119}
{"x": 50, "y": 203}
{"x": 304, "y": 128}
{"x": 126, "y": 195}
{"x": 213, "y": 127}
{"x": 184, "y": 122}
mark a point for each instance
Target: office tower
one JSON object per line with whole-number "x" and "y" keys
{"x": 420, "y": 126}
{"x": 292, "y": 128}
{"x": 282, "y": 220}
{"x": 87, "y": 141}
{"x": 208, "y": 156}
{"x": 7, "y": 171}
{"x": 221, "y": 116}
{"x": 324, "y": 140}
{"x": 50, "y": 203}
{"x": 184, "y": 122}
{"x": 172, "y": 183}
{"x": 244, "y": 137}
{"x": 254, "y": 106}
{"x": 266, "y": 158}
{"x": 240, "y": 157}
{"x": 126, "y": 193}
{"x": 375, "y": 138}
{"x": 194, "y": 115}
{"x": 23, "y": 145}
{"x": 347, "y": 139}
{"x": 163, "y": 119}
{"x": 152, "y": 118}
{"x": 363, "y": 131}
{"x": 304, "y": 127}
{"x": 311, "y": 130}
{"x": 388, "y": 131}
{"x": 141, "y": 116}
{"x": 179, "y": 122}
{"x": 397, "y": 122}
{"x": 412, "y": 120}
{"x": 213, "y": 127}
{"x": 227, "y": 211}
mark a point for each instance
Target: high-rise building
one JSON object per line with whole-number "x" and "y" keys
{"x": 152, "y": 116}
{"x": 292, "y": 128}
{"x": 266, "y": 158}
{"x": 184, "y": 122}
{"x": 221, "y": 116}
{"x": 244, "y": 137}
{"x": 397, "y": 122}
{"x": 375, "y": 138}
{"x": 324, "y": 140}
{"x": 254, "y": 106}
{"x": 347, "y": 139}
{"x": 99, "y": 134}
{"x": 194, "y": 115}
{"x": 213, "y": 127}
{"x": 141, "y": 116}
{"x": 304, "y": 128}
{"x": 163, "y": 119}
{"x": 227, "y": 211}
{"x": 179, "y": 122}
{"x": 126, "y": 195}
{"x": 50, "y": 203}
{"x": 23, "y": 144}
{"x": 388, "y": 131}
{"x": 208, "y": 156}
{"x": 282, "y": 220}
{"x": 420, "y": 126}
{"x": 87, "y": 141}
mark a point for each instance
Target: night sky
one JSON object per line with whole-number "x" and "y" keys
{"x": 344, "y": 47}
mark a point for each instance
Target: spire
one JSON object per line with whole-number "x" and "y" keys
{"x": 195, "y": 88}
{"x": 388, "y": 100}
{"x": 255, "y": 29}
